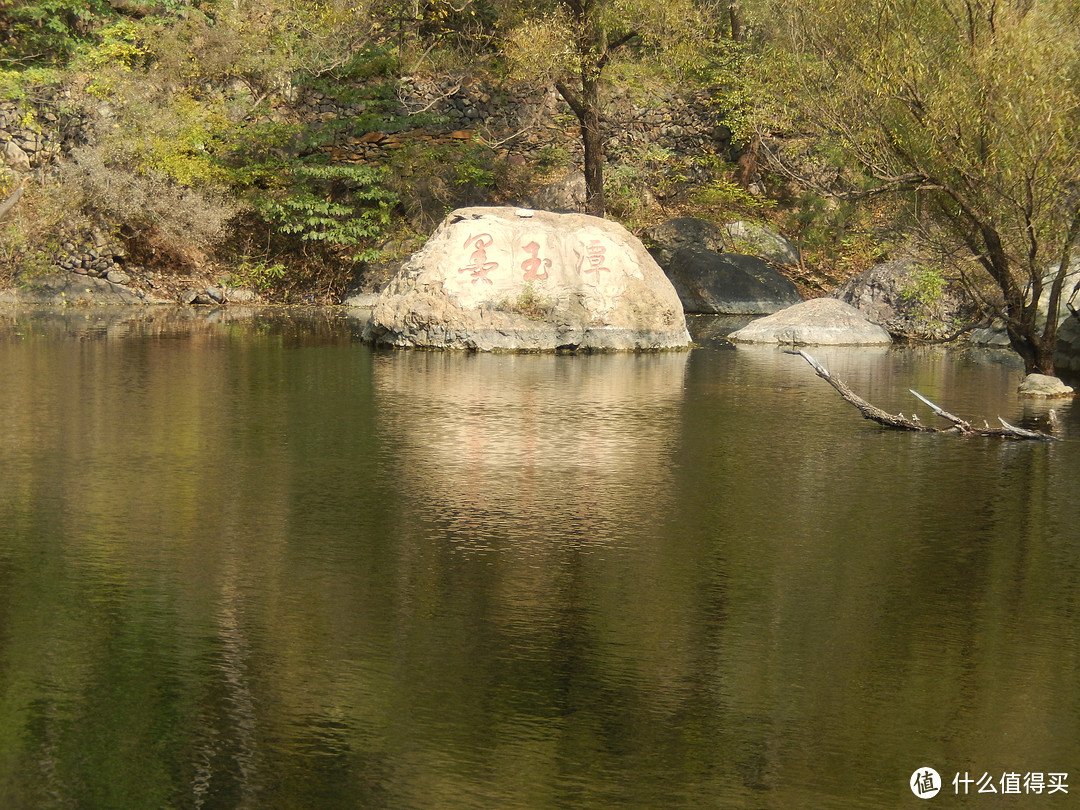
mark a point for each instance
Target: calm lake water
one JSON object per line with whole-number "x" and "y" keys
{"x": 256, "y": 564}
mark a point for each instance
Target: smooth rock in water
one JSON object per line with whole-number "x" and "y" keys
{"x": 490, "y": 280}
{"x": 820, "y": 321}
{"x": 1043, "y": 385}
{"x": 711, "y": 283}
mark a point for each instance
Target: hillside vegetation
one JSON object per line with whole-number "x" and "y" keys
{"x": 297, "y": 147}
{"x": 232, "y": 138}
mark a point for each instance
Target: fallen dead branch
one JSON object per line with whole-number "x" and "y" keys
{"x": 901, "y": 422}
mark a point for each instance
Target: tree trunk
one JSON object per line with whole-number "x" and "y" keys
{"x": 1020, "y": 314}
{"x": 593, "y": 141}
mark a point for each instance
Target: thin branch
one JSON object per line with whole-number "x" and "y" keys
{"x": 572, "y": 99}
{"x": 436, "y": 100}
{"x": 11, "y": 201}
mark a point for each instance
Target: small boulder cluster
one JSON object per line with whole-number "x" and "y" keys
{"x": 96, "y": 257}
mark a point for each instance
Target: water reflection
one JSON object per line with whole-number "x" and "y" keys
{"x": 248, "y": 565}
{"x": 532, "y": 448}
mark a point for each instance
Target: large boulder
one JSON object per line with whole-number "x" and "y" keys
{"x": 1067, "y": 351}
{"x": 563, "y": 196}
{"x": 669, "y": 237}
{"x": 757, "y": 240}
{"x": 1044, "y": 386}
{"x": 908, "y": 298}
{"x": 820, "y": 321}
{"x": 521, "y": 280}
{"x": 995, "y": 335}
{"x": 728, "y": 283}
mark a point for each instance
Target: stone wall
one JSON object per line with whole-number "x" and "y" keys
{"x": 512, "y": 120}
{"x": 521, "y": 120}
{"x": 34, "y": 134}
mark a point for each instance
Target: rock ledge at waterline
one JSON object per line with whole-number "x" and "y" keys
{"x": 819, "y": 321}
{"x": 507, "y": 279}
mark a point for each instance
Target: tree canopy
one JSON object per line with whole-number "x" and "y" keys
{"x": 974, "y": 106}
{"x": 572, "y": 42}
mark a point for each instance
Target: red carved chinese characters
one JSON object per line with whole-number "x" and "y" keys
{"x": 532, "y": 265}
{"x": 594, "y": 258}
{"x": 479, "y": 266}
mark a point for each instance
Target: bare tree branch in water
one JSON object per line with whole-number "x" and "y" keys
{"x": 901, "y": 422}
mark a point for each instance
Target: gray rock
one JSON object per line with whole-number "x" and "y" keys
{"x": 820, "y": 321}
{"x": 1042, "y": 385}
{"x": 362, "y": 300}
{"x": 904, "y": 297}
{"x": 69, "y": 288}
{"x": 565, "y": 196}
{"x": 242, "y": 295}
{"x": 669, "y": 237}
{"x": 757, "y": 240}
{"x": 16, "y": 158}
{"x": 514, "y": 280}
{"x": 1067, "y": 351}
{"x": 118, "y": 277}
{"x": 728, "y": 283}
{"x": 216, "y": 295}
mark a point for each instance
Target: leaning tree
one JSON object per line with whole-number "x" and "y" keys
{"x": 973, "y": 105}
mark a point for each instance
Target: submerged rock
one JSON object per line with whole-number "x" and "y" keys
{"x": 523, "y": 280}
{"x": 820, "y": 321}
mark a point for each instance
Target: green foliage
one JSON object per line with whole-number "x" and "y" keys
{"x": 184, "y": 140}
{"x": 529, "y": 303}
{"x": 925, "y": 287}
{"x": 429, "y": 178}
{"x": 726, "y": 195}
{"x": 257, "y": 274}
{"x": 341, "y": 206}
{"x": 48, "y": 31}
{"x": 120, "y": 44}
{"x": 21, "y": 85}
{"x": 626, "y": 189}
{"x": 977, "y": 103}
